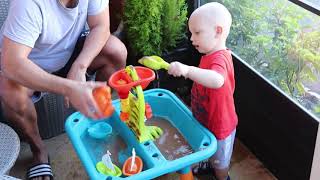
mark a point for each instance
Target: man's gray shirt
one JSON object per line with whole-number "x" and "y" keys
{"x": 50, "y": 29}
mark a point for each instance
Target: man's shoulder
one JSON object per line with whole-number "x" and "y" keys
{"x": 25, "y": 4}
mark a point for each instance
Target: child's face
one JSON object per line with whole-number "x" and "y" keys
{"x": 204, "y": 35}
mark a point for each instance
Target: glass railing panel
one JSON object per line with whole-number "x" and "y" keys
{"x": 280, "y": 40}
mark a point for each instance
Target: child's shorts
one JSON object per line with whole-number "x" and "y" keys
{"x": 221, "y": 159}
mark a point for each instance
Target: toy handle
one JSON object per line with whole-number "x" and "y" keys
{"x": 165, "y": 65}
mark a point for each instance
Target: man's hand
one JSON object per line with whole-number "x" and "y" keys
{"x": 76, "y": 73}
{"x": 80, "y": 96}
{"x": 178, "y": 69}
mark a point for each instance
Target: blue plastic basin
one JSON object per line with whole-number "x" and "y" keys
{"x": 164, "y": 104}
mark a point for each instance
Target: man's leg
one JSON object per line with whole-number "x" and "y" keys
{"x": 111, "y": 58}
{"x": 20, "y": 112}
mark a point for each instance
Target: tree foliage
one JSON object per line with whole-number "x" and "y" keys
{"x": 281, "y": 41}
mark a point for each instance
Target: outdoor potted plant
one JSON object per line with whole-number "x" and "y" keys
{"x": 159, "y": 27}
{"x": 155, "y": 26}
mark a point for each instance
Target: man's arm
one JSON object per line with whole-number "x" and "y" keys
{"x": 205, "y": 77}
{"x": 17, "y": 67}
{"x": 95, "y": 41}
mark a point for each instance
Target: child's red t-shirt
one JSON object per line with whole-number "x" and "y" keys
{"x": 214, "y": 108}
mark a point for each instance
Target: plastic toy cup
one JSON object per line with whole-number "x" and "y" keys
{"x": 102, "y": 96}
{"x": 137, "y": 167}
{"x": 100, "y": 130}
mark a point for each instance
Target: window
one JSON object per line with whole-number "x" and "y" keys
{"x": 281, "y": 40}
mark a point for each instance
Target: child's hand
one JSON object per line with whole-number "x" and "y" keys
{"x": 178, "y": 69}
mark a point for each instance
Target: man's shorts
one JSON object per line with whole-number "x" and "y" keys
{"x": 37, "y": 95}
{"x": 221, "y": 159}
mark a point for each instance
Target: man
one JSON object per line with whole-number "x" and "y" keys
{"x": 37, "y": 41}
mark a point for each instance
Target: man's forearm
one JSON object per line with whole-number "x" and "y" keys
{"x": 30, "y": 75}
{"x": 93, "y": 44}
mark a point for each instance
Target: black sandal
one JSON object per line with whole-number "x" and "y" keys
{"x": 203, "y": 168}
{"x": 40, "y": 170}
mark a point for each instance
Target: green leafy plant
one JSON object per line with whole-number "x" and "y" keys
{"x": 174, "y": 20}
{"x": 142, "y": 21}
{"x": 154, "y": 26}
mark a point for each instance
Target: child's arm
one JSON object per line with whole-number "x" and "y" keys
{"x": 205, "y": 77}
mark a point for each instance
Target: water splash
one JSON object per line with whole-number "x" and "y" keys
{"x": 163, "y": 138}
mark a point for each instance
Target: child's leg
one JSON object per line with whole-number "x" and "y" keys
{"x": 221, "y": 159}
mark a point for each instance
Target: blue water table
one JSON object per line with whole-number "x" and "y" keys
{"x": 165, "y": 139}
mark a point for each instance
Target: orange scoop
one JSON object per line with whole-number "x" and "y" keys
{"x": 137, "y": 167}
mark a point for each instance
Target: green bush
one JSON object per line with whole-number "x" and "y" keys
{"x": 142, "y": 21}
{"x": 173, "y": 22}
{"x": 155, "y": 25}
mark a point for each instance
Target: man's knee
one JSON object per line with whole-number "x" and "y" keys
{"x": 116, "y": 51}
{"x": 15, "y": 106}
{"x": 14, "y": 99}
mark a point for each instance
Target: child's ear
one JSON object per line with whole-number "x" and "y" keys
{"x": 219, "y": 30}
